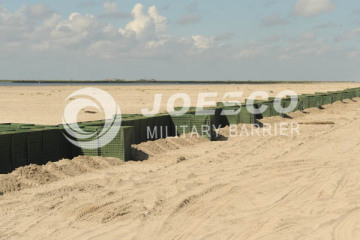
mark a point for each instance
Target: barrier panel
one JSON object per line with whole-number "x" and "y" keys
{"x": 91, "y": 141}
{"x": 19, "y": 150}
{"x": 274, "y": 112}
{"x": 325, "y": 98}
{"x": 203, "y": 125}
{"x": 120, "y": 146}
{"x": 269, "y": 108}
{"x": 228, "y": 115}
{"x": 35, "y": 147}
{"x": 314, "y": 101}
{"x": 246, "y": 116}
{"x": 337, "y": 96}
{"x": 51, "y": 150}
{"x": 304, "y": 102}
{"x": 347, "y": 95}
{"x": 6, "y": 165}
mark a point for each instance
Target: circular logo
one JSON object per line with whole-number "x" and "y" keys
{"x": 91, "y": 137}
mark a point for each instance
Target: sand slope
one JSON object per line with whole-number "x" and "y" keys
{"x": 279, "y": 187}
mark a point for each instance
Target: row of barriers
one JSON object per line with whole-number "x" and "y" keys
{"x": 24, "y": 144}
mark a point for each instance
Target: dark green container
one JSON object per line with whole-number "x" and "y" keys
{"x": 6, "y": 164}
{"x": 201, "y": 124}
{"x": 120, "y": 146}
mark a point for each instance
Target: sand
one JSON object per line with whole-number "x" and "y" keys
{"x": 246, "y": 187}
{"x": 45, "y": 105}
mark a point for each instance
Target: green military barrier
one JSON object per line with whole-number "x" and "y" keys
{"x": 162, "y": 127}
{"x": 229, "y": 115}
{"x": 149, "y": 128}
{"x": 120, "y": 146}
{"x": 347, "y": 95}
{"x": 337, "y": 96}
{"x": 35, "y": 147}
{"x": 245, "y": 116}
{"x": 262, "y": 104}
{"x": 136, "y": 123}
{"x": 299, "y": 104}
{"x": 220, "y": 120}
{"x": 22, "y": 144}
{"x": 325, "y": 98}
{"x": 356, "y": 92}
{"x": 283, "y": 102}
{"x": 303, "y": 102}
{"x": 203, "y": 125}
{"x": 6, "y": 165}
{"x": 51, "y": 150}
{"x": 313, "y": 101}
{"x": 19, "y": 150}
{"x": 352, "y": 93}
{"x": 88, "y": 147}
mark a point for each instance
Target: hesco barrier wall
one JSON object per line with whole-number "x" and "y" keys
{"x": 202, "y": 125}
{"x": 23, "y": 144}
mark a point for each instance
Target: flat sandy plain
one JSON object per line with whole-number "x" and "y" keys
{"x": 303, "y": 186}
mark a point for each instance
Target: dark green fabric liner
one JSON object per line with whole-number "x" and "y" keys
{"x": 200, "y": 122}
{"x": 274, "y": 112}
{"x": 258, "y": 104}
{"x": 314, "y": 101}
{"x": 95, "y": 148}
{"x": 120, "y": 146}
{"x": 19, "y": 149}
{"x": 303, "y": 102}
{"x": 226, "y": 119}
{"x": 6, "y": 165}
{"x": 162, "y": 122}
{"x": 299, "y": 105}
{"x": 65, "y": 147}
{"x": 325, "y": 98}
{"x": 333, "y": 97}
{"x": 347, "y": 95}
{"x": 219, "y": 119}
{"x": 35, "y": 147}
{"x": 245, "y": 116}
{"x": 51, "y": 149}
{"x": 337, "y": 96}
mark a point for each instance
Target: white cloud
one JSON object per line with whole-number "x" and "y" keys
{"x": 73, "y": 30}
{"x": 139, "y": 25}
{"x": 354, "y": 54}
{"x": 160, "y": 21}
{"x": 308, "y": 36}
{"x": 348, "y": 35}
{"x": 250, "y": 51}
{"x": 313, "y": 7}
{"x": 188, "y": 19}
{"x": 202, "y": 42}
{"x": 273, "y": 20}
{"x": 111, "y": 7}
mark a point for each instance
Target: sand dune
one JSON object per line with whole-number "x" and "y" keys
{"x": 273, "y": 187}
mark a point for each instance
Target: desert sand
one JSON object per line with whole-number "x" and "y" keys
{"x": 246, "y": 187}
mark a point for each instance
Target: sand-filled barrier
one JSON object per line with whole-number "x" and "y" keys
{"x": 24, "y": 144}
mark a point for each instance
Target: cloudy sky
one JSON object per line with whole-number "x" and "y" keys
{"x": 180, "y": 40}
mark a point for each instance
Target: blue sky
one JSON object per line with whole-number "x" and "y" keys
{"x": 175, "y": 40}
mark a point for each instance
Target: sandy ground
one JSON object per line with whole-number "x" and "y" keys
{"x": 246, "y": 187}
{"x": 45, "y": 105}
